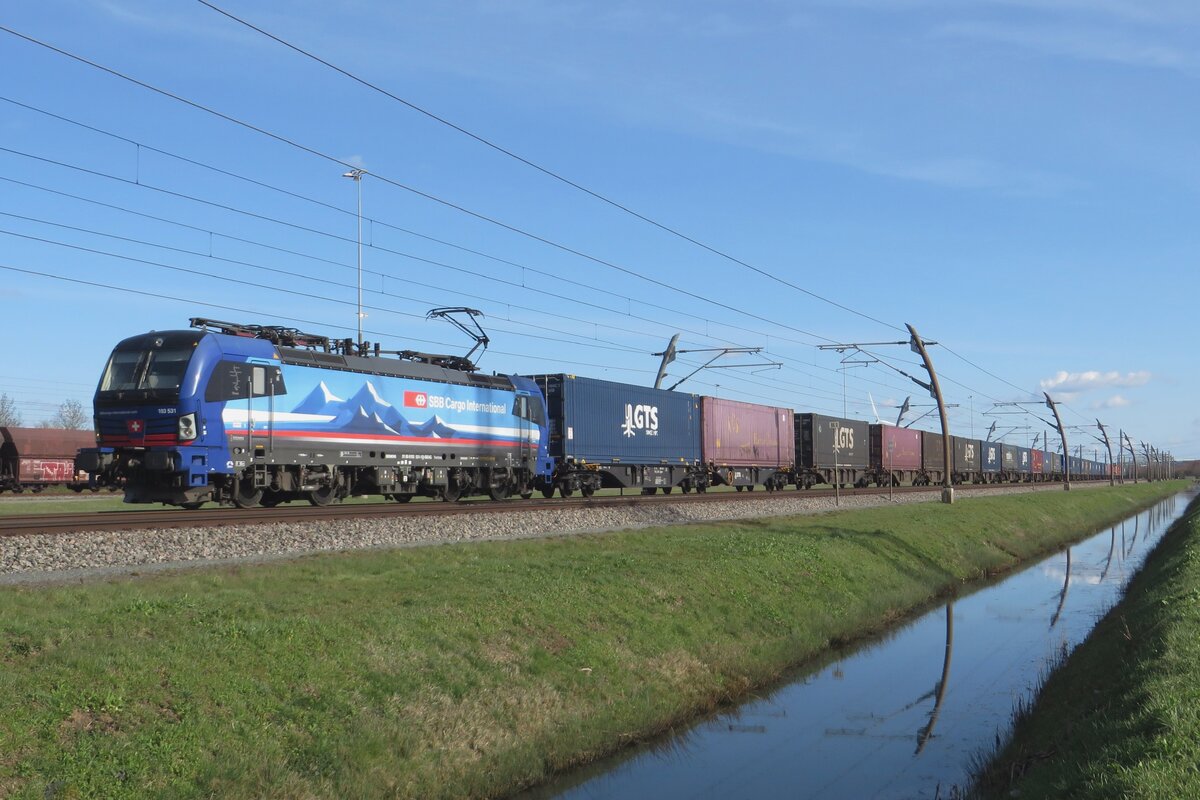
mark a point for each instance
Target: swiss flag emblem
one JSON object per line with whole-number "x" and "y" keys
{"x": 416, "y": 400}
{"x": 136, "y": 428}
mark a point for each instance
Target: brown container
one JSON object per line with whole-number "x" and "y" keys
{"x": 746, "y": 434}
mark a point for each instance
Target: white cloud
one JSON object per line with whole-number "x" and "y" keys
{"x": 1078, "y": 43}
{"x": 1116, "y": 401}
{"x": 1083, "y": 381}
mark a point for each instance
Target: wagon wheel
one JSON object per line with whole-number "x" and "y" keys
{"x": 686, "y": 488}
{"x": 739, "y": 488}
{"x": 245, "y": 496}
{"x": 526, "y": 494}
{"x": 451, "y": 492}
{"x": 192, "y": 506}
{"x": 321, "y": 497}
{"x": 587, "y": 490}
{"x": 500, "y": 492}
{"x": 649, "y": 490}
{"x": 701, "y": 489}
{"x": 402, "y": 498}
{"x": 548, "y": 492}
{"x": 566, "y": 491}
{"x": 667, "y": 489}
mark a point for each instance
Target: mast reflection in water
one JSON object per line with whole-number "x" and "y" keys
{"x": 867, "y": 724}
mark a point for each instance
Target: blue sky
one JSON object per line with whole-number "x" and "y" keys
{"x": 1017, "y": 179}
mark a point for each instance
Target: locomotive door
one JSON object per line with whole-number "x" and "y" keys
{"x": 524, "y": 428}
{"x": 261, "y": 399}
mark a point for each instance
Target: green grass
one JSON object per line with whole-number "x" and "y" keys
{"x": 466, "y": 670}
{"x": 1121, "y": 718}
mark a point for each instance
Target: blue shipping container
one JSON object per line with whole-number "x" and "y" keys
{"x": 989, "y": 457}
{"x": 1024, "y": 461}
{"x": 602, "y": 422}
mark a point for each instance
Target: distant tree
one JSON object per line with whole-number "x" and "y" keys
{"x": 8, "y": 412}
{"x": 71, "y": 415}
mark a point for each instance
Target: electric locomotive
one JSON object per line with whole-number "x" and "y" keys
{"x": 257, "y": 415}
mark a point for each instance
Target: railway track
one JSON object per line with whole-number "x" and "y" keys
{"x": 58, "y": 523}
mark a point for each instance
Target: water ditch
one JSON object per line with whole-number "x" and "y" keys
{"x": 906, "y": 715}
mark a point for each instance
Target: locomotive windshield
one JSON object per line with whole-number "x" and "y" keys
{"x": 152, "y": 365}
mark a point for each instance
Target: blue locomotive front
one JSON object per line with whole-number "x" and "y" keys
{"x": 255, "y": 415}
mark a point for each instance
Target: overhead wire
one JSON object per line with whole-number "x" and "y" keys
{"x": 485, "y": 218}
{"x": 556, "y": 176}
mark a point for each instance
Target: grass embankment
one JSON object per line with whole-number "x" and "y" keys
{"x": 1121, "y": 718}
{"x": 465, "y": 670}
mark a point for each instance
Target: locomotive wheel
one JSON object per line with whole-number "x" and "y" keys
{"x": 499, "y": 493}
{"x": 246, "y": 499}
{"x": 451, "y": 493}
{"x": 321, "y": 497}
{"x": 548, "y": 492}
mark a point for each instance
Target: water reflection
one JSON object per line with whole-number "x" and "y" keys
{"x": 923, "y": 736}
{"x": 883, "y": 721}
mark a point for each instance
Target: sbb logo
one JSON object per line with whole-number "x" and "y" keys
{"x": 416, "y": 400}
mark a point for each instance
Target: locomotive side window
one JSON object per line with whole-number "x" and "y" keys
{"x": 530, "y": 409}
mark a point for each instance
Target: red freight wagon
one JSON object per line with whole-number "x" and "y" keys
{"x": 896, "y": 451}
{"x": 1039, "y": 463}
{"x": 34, "y": 458}
{"x": 745, "y": 444}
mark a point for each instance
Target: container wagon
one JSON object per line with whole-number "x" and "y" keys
{"x": 990, "y": 461}
{"x": 933, "y": 459}
{"x": 1037, "y": 459}
{"x": 604, "y": 434}
{"x": 966, "y": 460}
{"x": 746, "y": 445}
{"x": 34, "y": 459}
{"x": 831, "y": 450}
{"x": 895, "y": 454}
{"x": 1024, "y": 472}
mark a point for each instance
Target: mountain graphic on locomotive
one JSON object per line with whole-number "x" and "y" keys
{"x": 258, "y": 415}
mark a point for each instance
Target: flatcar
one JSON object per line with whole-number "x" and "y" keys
{"x": 746, "y": 445}
{"x": 33, "y": 459}
{"x": 895, "y": 455}
{"x": 257, "y": 415}
{"x": 831, "y": 450}
{"x": 604, "y": 434}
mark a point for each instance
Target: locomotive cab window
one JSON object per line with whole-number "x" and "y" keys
{"x": 152, "y": 363}
{"x": 150, "y": 369}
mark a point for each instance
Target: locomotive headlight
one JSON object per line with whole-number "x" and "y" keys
{"x": 187, "y": 427}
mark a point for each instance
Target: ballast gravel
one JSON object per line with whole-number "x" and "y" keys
{"x": 84, "y": 556}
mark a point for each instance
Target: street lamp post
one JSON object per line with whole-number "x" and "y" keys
{"x": 356, "y": 175}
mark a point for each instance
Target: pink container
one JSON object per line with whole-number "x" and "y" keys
{"x": 746, "y": 434}
{"x": 905, "y": 448}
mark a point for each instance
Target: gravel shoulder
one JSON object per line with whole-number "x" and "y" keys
{"x": 82, "y": 557}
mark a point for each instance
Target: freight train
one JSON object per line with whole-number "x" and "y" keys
{"x": 255, "y": 415}
{"x": 33, "y": 459}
